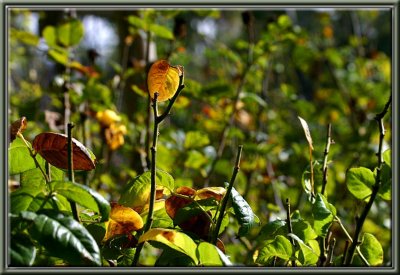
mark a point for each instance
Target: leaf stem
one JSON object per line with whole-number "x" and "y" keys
{"x": 227, "y": 195}
{"x": 325, "y": 164}
{"x": 375, "y": 189}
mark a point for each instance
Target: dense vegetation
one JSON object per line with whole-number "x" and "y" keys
{"x": 200, "y": 137}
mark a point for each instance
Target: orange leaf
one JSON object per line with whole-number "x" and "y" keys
{"x": 208, "y": 192}
{"x": 163, "y": 79}
{"x": 53, "y": 148}
{"x": 174, "y": 203}
{"x": 123, "y": 220}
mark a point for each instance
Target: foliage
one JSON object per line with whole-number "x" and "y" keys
{"x": 114, "y": 198}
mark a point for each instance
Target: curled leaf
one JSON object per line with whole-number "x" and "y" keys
{"x": 123, "y": 220}
{"x": 306, "y": 132}
{"x": 53, "y": 148}
{"x": 163, "y": 79}
{"x": 17, "y": 127}
{"x": 211, "y": 192}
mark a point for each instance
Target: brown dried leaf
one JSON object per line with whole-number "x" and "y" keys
{"x": 17, "y": 127}
{"x": 53, "y": 148}
{"x": 211, "y": 192}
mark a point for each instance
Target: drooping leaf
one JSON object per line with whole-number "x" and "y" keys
{"x": 83, "y": 196}
{"x": 19, "y": 158}
{"x": 64, "y": 237}
{"x": 123, "y": 220}
{"x": 22, "y": 250}
{"x": 323, "y": 213}
{"x": 243, "y": 212}
{"x": 70, "y": 33}
{"x": 371, "y": 249}
{"x": 306, "y": 254}
{"x": 306, "y": 132}
{"x": 163, "y": 79}
{"x": 360, "y": 181}
{"x": 59, "y": 56}
{"x": 280, "y": 247}
{"x": 173, "y": 239}
{"x": 53, "y": 148}
{"x": 210, "y": 255}
{"x": 136, "y": 193}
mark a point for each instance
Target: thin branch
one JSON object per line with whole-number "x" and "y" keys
{"x": 71, "y": 168}
{"x": 289, "y": 225}
{"x": 375, "y": 189}
{"x": 332, "y": 244}
{"x": 227, "y": 195}
{"x": 325, "y": 164}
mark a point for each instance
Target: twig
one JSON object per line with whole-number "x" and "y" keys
{"x": 375, "y": 188}
{"x": 157, "y": 120}
{"x": 325, "y": 164}
{"x": 71, "y": 168}
{"x": 346, "y": 247}
{"x": 148, "y": 120}
{"x": 332, "y": 244}
{"x": 289, "y": 224}
{"x": 227, "y": 195}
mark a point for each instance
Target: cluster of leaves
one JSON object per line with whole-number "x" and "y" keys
{"x": 246, "y": 88}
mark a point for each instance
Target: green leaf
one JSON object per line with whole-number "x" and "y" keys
{"x": 161, "y": 31}
{"x": 323, "y": 213}
{"x": 70, "y": 33}
{"x": 243, "y": 213}
{"x": 196, "y": 139}
{"x": 372, "y": 250}
{"x": 25, "y": 37}
{"x": 50, "y": 36}
{"x": 254, "y": 98}
{"x": 84, "y": 196}
{"x": 210, "y": 255}
{"x": 195, "y": 160}
{"x": 173, "y": 258}
{"x": 26, "y": 198}
{"x": 385, "y": 190}
{"x": 137, "y": 192}
{"x": 360, "y": 181}
{"x": 269, "y": 231}
{"x": 19, "y": 157}
{"x": 64, "y": 237}
{"x": 59, "y": 56}
{"x": 306, "y": 254}
{"x": 173, "y": 239}
{"x": 387, "y": 157}
{"x": 280, "y": 247}
{"x": 97, "y": 230}
{"x": 22, "y": 250}
{"x": 303, "y": 230}
{"x": 137, "y": 22}
{"x": 35, "y": 178}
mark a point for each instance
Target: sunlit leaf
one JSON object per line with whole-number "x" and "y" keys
{"x": 196, "y": 139}
{"x": 70, "y": 33}
{"x": 360, "y": 181}
{"x": 210, "y": 255}
{"x": 371, "y": 249}
{"x": 161, "y": 31}
{"x": 385, "y": 190}
{"x": 323, "y": 213}
{"x": 173, "y": 258}
{"x": 59, "y": 56}
{"x": 306, "y": 132}
{"x": 163, "y": 79}
{"x": 25, "y": 37}
{"x": 50, "y": 35}
{"x": 19, "y": 158}
{"x": 136, "y": 194}
{"x": 123, "y": 220}
{"x": 306, "y": 255}
{"x": 387, "y": 157}
{"x": 211, "y": 192}
{"x": 173, "y": 239}
{"x": 280, "y": 247}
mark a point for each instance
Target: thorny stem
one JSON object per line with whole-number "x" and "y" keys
{"x": 360, "y": 222}
{"x": 289, "y": 224}
{"x": 71, "y": 168}
{"x": 227, "y": 195}
{"x": 157, "y": 120}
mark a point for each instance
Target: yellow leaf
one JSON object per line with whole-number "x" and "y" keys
{"x": 123, "y": 220}
{"x": 208, "y": 192}
{"x": 163, "y": 79}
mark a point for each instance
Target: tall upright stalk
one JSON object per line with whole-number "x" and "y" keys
{"x": 227, "y": 195}
{"x": 153, "y": 168}
{"x": 375, "y": 189}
